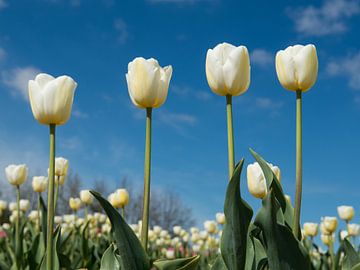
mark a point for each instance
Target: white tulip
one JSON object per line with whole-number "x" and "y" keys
{"x": 51, "y": 98}
{"x": 33, "y": 216}
{"x": 86, "y": 197}
{"x": 346, "y": 212}
{"x": 353, "y": 229}
{"x": 329, "y": 225}
{"x": 297, "y": 67}
{"x": 210, "y": 226}
{"x": 310, "y": 229}
{"x": 228, "y": 69}
{"x": 170, "y": 254}
{"x": 75, "y": 204}
{"x": 177, "y": 230}
{"x": 61, "y": 166}
{"x": 343, "y": 234}
{"x": 256, "y": 180}
{"x": 148, "y": 82}
{"x": 16, "y": 174}
{"x": 39, "y": 183}
{"x": 3, "y": 205}
{"x": 24, "y": 205}
{"x": 220, "y": 218}
{"x": 12, "y": 206}
{"x": 58, "y": 219}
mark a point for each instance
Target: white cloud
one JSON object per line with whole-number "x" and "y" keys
{"x": 122, "y": 30}
{"x": 79, "y": 114}
{"x": 2, "y": 53}
{"x": 348, "y": 67}
{"x": 261, "y": 57}
{"x": 17, "y": 80}
{"x": 267, "y": 103}
{"x": 177, "y": 120}
{"x": 329, "y": 18}
{"x": 3, "y": 4}
{"x": 186, "y": 91}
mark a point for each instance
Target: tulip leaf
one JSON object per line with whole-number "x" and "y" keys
{"x": 238, "y": 216}
{"x": 131, "y": 253}
{"x": 43, "y": 219}
{"x": 109, "y": 259}
{"x": 351, "y": 256}
{"x": 356, "y": 267}
{"x": 190, "y": 263}
{"x": 219, "y": 264}
{"x": 283, "y": 250}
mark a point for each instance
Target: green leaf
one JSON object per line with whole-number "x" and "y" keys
{"x": 238, "y": 216}
{"x": 43, "y": 219}
{"x": 109, "y": 260}
{"x": 219, "y": 264}
{"x": 132, "y": 255}
{"x": 178, "y": 264}
{"x": 351, "y": 256}
{"x": 356, "y": 267}
{"x": 283, "y": 250}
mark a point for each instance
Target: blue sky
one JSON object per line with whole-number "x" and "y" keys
{"x": 94, "y": 40}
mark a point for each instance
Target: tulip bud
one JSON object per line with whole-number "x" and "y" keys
{"x": 75, "y": 204}
{"x": 24, "y": 205}
{"x": 16, "y": 174}
{"x": 12, "y": 206}
{"x": 39, "y": 183}
{"x": 326, "y": 239}
{"x": 210, "y": 226}
{"x": 58, "y": 219}
{"x": 310, "y": 229}
{"x": 86, "y": 197}
{"x": 220, "y": 218}
{"x": 3, "y": 205}
{"x": 33, "y": 216}
{"x": 170, "y": 254}
{"x": 51, "y": 98}
{"x": 353, "y": 229}
{"x": 228, "y": 69}
{"x": 148, "y": 82}
{"x": 61, "y": 166}
{"x": 329, "y": 224}
{"x": 256, "y": 179}
{"x": 297, "y": 67}
{"x": 346, "y": 212}
{"x": 343, "y": 234}
{"x": 177, "y": 230}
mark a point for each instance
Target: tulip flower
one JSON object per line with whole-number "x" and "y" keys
{"x": 16, "y": 175}
{"x": 256, "y": 179}
{"x": 210, "y": 226}
{"x": 346, "y": 212}
{"x": 87, "y": 199}
{"x": 297, "y": 68}
{"x": 310, "y": 229}
{"x": 177, "y": 230}
{"x": 228, "y": 74}
{"x": 39, "y": 185}
{"x": 220, "y": 218}
{"x": 148, "y": 85}
{"x": 51, "y": 102}
{"x": 3, "y": 205}
{"x": 329, "y": 224}
{"x": 75, "y": 204}
{"x": 353, "y": 229}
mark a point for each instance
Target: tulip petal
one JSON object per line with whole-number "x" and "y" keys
{"x": 307, "y": 67}
{"x": 286, "y": 70}
{"x": 214, "y": 73}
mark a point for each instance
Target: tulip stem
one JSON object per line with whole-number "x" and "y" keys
{"x": 298, "y": 164}
{"x": 230, "y": 135}
{"x": 17, "y": 236}
{"x": 38, "y": 208}
{"x": 146, "y": 203}
{"x": 50, "y": 216}
{"x": 123, "y": 212}
{"x": 56, "y": 192}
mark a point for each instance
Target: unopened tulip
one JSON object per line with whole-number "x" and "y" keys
{"x": 12, "y": 206}
{"x": 326, "y": 239}
{"x": 353, "y": 229}
{"x": 210, "y": 226}
{"x": 75, "y": 204}
{"x": 343, "y": 234}
{"x": 297, "y": 67}
{"x": 39, "y": 183}
{"x": 148, "y": 82}
{"x": 24, "y": 205}
{"x": 86, "y": 197}
{"x": 329, "y": 224}
{"x": 33, "y": 216}
{"x": 228, "y": 69}
{"x": 346, "y": 212}
{"x": 16, "y": 174}
{"x": 220, "y": 218}
{"x": 310, "y": 229}
{"x": 256, "y": 179}
{"x": 3, "y": 205}
{"x": 177, "y": 230}
{"x": 51, "y": 98}
{"x": 61, "y": 166}
{"x": 170, "y": 254}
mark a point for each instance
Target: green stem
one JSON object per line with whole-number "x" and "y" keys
{"x": 86, "y": 214}
{"x": 17, "y": 236}
{"x": 123, "y": 212}
{"x": 230, "y": 135}
{"x": 38, "y": 209}
{"x": 331, "y": 251}
{"x": 146, "y": 204}
{"x": 50, "y": 216}
{"x": 56, "y": 192}
{"x": 298, "y": 163}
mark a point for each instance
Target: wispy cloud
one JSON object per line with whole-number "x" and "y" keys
{"x": 122, "y": 30}
{"x": 267, "y": 103}
{"x": 178, "y": 121}
{"x": 79, "y": 114}
{"x": 349, "y": 67}
{"x": 261, "y": 57}
{"x": 329, "y": 18}
{"x": 3, "y": 4}
{"x": 2, "y": 53}
{"x": 17, "y": 80}
{"x": 187, "y": 91}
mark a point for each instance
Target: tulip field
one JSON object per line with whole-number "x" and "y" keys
{"x": 275, "y": 237}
